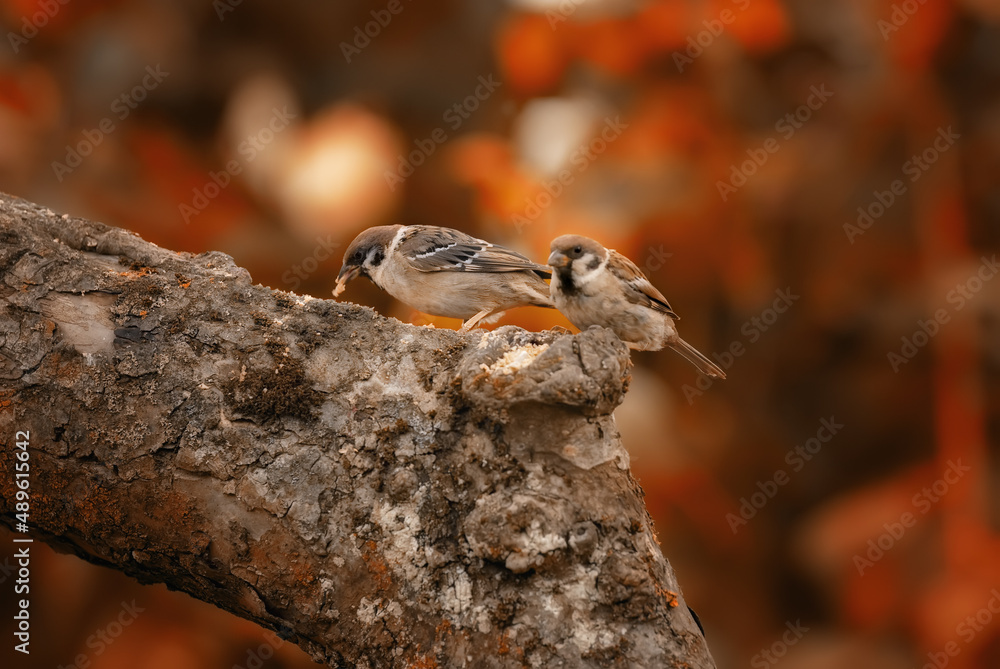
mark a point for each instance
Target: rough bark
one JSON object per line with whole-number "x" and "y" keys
{"x": 382, "y": 494}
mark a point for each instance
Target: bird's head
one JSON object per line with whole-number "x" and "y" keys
{"x": 366, "y": 254}
{"x": 576, "y": 255}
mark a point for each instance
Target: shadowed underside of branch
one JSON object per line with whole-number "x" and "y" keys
{"x": 382, "y": 494}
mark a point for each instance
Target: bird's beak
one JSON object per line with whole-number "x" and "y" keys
{"x": 347, "y": 274}
{"x": 558, "y": 260}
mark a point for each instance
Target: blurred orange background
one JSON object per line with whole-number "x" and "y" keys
{"x": 814, "y": 186}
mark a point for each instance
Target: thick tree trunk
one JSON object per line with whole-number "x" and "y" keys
{"x": 382, "y": 494}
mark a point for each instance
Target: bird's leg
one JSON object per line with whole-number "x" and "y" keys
{"x": 471, "y": 323}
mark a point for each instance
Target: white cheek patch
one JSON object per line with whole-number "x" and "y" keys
{"x": 590, "y": 275}
{"x": 375, "y": 273}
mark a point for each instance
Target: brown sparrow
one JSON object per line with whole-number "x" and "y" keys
{"x": 445, "y": 272}
{"x": 592, "y": 285}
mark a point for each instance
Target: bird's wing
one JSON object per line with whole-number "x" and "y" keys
{"x": 638, "y": 289}
{"x": 432, "y": 249}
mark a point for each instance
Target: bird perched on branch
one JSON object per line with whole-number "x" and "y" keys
{"x": 445, "y": 272}
{"x": 592, "y": 285}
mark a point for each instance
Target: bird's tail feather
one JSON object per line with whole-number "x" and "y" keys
{"x": 695, "y": 357}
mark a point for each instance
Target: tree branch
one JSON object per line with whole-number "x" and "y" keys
{"x": 382, "y": 494}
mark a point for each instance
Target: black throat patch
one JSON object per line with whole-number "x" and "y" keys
{"x": 566, "y": 281}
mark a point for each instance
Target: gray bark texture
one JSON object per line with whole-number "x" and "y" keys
{"x": 383, "y": 495}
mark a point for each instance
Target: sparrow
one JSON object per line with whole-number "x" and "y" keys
{"x": 592, "y": 285}
{"x": 445, "y": 272}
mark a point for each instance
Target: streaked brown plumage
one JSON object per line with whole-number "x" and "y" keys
{"x": 445, "y": 272}
{"x": 592, "y": 285}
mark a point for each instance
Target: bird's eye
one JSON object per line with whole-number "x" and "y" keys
{"x": 577, "y": 250}
{"x": 357, "y": 257}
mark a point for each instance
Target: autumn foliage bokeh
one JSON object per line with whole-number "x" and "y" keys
{"x": 814, "y": 186}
